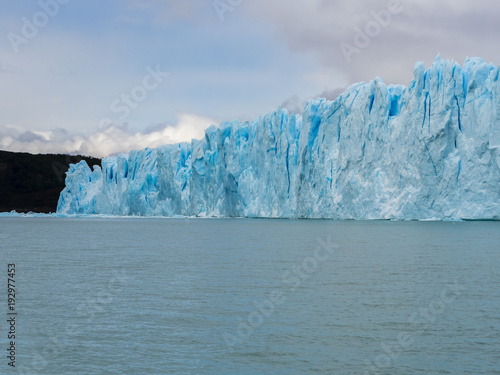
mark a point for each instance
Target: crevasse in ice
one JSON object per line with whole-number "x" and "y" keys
{"x": 426, "y": 151}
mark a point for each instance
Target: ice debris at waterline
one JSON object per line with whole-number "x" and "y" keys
{"x": 427, "y": 151}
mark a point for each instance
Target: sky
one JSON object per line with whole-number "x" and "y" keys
{"x": 103, "y": 77}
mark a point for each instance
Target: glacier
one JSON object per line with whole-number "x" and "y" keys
{"x": 428, "y": 151}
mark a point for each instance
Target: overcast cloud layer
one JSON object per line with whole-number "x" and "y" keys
{"x": 102, "y": 77}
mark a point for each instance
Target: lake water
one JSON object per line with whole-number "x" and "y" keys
{"x": 208, "y": 296}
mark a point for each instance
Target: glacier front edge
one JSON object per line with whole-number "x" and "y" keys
{"x": 422, "y": 152}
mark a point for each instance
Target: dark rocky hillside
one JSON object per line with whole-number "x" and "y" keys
{"x": 33, "y": 182}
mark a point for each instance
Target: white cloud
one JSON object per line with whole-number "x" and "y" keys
{"x": 101, "y": 143}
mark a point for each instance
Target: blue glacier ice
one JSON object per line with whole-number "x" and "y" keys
{"x": 429, "y": 151}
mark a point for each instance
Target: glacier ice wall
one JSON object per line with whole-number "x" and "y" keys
{"x": 426, "y": 151}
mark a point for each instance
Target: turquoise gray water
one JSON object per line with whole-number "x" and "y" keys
{"x": 178, "y": 296}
